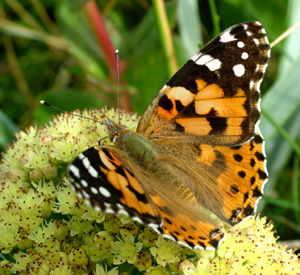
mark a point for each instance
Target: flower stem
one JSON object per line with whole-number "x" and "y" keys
{"x": 165, "y": 36}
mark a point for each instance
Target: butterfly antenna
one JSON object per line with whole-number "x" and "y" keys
{"x": 285, "y": 34}
{"x": 62, "y": 110}
{"x": 118, "y": 83}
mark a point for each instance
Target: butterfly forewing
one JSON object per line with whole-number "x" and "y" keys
{"x": 214, "y": 97}
{"x": 100, "y": 178}
{"x": 201, "y": 131}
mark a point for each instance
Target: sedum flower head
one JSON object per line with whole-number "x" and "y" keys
{"x": 249, "y": 248}
{"x": 165, "y": 251}
{"x": 46, "y": 229}
{"x": 100, "y": 270}
{"x": 126, "y": 249}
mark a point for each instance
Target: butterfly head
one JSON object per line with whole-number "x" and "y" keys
{"x": 115, "y": 131}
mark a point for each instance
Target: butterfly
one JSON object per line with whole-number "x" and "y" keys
{"x": 196, "y": 160}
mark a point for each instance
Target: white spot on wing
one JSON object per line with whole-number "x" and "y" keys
{"x": 104, "y": 192}
{"x": 84, "y": 183}
{"x": 258, "y": 84}
{"x": 137, "y": 219}
{"x": 78, "y": 186}
{"x": 203, "y": 59}
{"x": 256, "y": 41}
{"x": 239, "y": 70}
{"x": 267, "y": 42}
{"x": 107, "y": 205}
{"x": 227, "y": 37}
{"x": 86, "y": 163}
{"x": 259, "y": 108}
{"x": 120, "y": 206}
{"x": 214, "y": 65}
{"x": 123, "y": 212}
{"x": 109, "y": 211}
{"x": 93, "y": 172}
{"x": 245, "y": 55}
{"x": 74, "y": 170}
{"x": 94, "y": 190}
{"x": 169, "y": 237}
{"x": 155, "y": 226}
{"x": 81, "y": 156}
{"x": 85, "y": 194}
{"x": 97, "y": 208}
{"x": 245, "y": 27}
{"x": 195, "y": 57}
{"x": 211, "y": 63}
{"x": 251, "y": 84}
{"x": 264, "y": 68}
{"x": 240, "y": 44}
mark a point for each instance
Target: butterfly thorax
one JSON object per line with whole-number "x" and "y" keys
{"x": 137, "y": 148}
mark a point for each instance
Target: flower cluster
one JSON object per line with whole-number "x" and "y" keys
{"x": 46, "y": 229}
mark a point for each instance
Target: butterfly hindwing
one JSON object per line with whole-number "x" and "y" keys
{"x": 213, "y": 98}
{"x": 242, "y": 182}
{"x": 227, "y": 181}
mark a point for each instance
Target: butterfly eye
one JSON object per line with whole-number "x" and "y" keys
{"x": 116, "y": 137}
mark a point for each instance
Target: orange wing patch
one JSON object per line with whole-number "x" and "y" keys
{"x": 208, "y": 157}
{"x": 216, "y": 112}
{"x": 201, "y": 84}
{"x": 196, "y": 126}
{"x": 241, "y": 183}
{"x": 175, "y": 99}
{"x": 212, "y": 91}
{"x": 124, "y": 182}
{"x": 109, "y": 163}
{"x": 224, "y": 107}
{"x": 205, "y": 111}
{"x": 190, "y": 232}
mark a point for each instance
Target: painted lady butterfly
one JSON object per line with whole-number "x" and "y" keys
{"x": 197, "y": 157}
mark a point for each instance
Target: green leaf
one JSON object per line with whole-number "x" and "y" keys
{"x": 75, "y": 28}
{"x": 146, "y": 67}
{"x": 292, "y": 42}
{"x": 7, "y": 130}
{"x": 282, "y": 203}
{"x": 282, "y": 102}
{"x": 189, "y": 25}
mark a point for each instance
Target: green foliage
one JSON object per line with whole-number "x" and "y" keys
{"x": 57, "y": 56}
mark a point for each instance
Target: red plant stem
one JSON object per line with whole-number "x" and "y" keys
{"x": 95, "y": 19}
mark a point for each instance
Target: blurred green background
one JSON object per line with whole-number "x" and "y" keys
{"x": 63, "y": 52}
